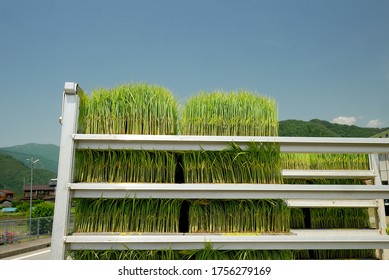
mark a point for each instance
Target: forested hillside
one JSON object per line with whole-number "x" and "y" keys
{"x": 320, "y": 128}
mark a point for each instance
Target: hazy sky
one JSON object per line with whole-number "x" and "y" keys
{"x": 318, "y": 59}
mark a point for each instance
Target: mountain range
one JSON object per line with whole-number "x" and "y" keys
{"x": 320, "y": 128}
{"x": 15, "y": 169}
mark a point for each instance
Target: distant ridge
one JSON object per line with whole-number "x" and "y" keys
{"x": 46, "y": 153}
{"x": 320, "y": 128}
{"x": 14, "y": 174}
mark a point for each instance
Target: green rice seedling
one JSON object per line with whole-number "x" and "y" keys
{"x": 127, "y": 215}
{"x": 229, "y": 114}
{"x": 260, "y": 163}
{"x": 339, "y": 218}
{"x": 234, "y": 114}
{"x": 263, "y": 255}
{"x": 124, "y": 166}
{"x": 343, "y": 254}
{"x": 207, "y": 253}
{"x": 297, "y": 218}
{"x": 129, "y": 109}
{"x": 325, "y": 161}
{"x": 129, "y": 254}
{"x": 301, "y": 255}
{"x": 239, "y": 216}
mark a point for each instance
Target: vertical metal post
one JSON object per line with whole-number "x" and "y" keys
{"x": 32, "y": 170}
{"x": 5, "y": 232}
{"x": 380, "y": 210}
{"x": 31, "y": 182}
{"x": 68, "y": 120}
{"x": 37, "y": 228}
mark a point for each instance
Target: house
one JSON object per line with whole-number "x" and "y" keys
{"x": 44, "y": 192}
{"x": 6, "y": 195}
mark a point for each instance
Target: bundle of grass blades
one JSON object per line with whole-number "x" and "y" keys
{"x": 127, "y": 215}
{"x": 239, "y": 216}
{"x": 129, "y": 109}
{"x": 239, "y": 113}
{"x": 260, "y": 163}
{"x": 124, "y": 166}
{"x": 207, "y": 253}
{"x": 297, "y": 218}
{"x": 234, "y": 114}
{"x": 325, "y": 161}
{"x": 343, "y": 254}
{"x": 340, "y": 218}
{"x": 125, "y": 255}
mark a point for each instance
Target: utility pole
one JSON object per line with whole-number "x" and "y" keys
{"x": 32, "y": 161}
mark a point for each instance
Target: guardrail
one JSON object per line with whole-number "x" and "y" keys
{"x": 18, "y": 230}
{"x": 12, "y": 231}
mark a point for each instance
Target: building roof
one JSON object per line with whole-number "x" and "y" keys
{"x": 39, "y": 188}
{"x": 7, "y": 192}
{"x": 8, "y": 209}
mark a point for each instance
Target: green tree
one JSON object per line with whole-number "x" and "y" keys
{"x": 42, "y": 215}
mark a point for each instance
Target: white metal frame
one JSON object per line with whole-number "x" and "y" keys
{"x": 186, "y": 142}
{"x": 296, "y": 195}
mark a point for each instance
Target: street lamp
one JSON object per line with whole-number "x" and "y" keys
{"x": 32, "y": 161}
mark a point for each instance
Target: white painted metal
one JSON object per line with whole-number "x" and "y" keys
{"x": 327, "y": 174}
{"x": 181, "y": 143}
{"x": 384, "y": 167}
{"x": 323, "y": 240}
{"x": 336, "y": 232}
{"x": 65, "y": 170}
{"x": 226, "y": 191}
{"x": 383, "y": 159}
{"x": 380, "y": 214}
{"x": 70, "y": 88}
{"x": 324, "y": 203}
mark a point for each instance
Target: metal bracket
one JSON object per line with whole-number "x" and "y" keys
{"x": 70, "y": 88}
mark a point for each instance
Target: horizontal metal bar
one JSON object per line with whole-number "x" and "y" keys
{"x": 320, "y": 203}
{"x": 335, "y": 232}
{"x": 227, "y": 191}
{"x": 185, "y": 142}
{"x": 327, "y": 174}
{"x": 227, "y": 242}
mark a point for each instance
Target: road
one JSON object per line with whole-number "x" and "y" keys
{"x": 41, "y": 254}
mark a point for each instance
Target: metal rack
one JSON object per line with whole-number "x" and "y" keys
{"x": 295, "y": 195}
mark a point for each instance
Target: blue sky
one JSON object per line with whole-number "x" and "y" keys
{"x": 318, "y": 59}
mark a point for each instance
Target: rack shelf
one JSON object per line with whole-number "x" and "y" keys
{"x": 320, "y": 239}
{"x": 216, "y": 143}
{"x": 296, "y": 195}
{"x": 226, "y": 191}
